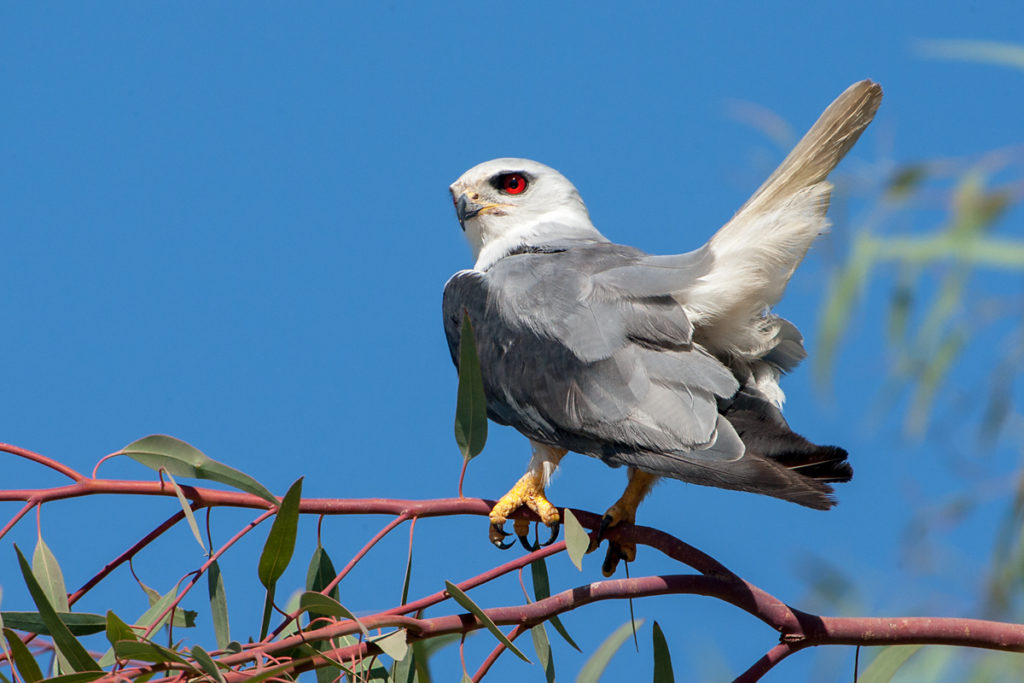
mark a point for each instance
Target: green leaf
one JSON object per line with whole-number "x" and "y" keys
{"x": 466, "y": 678}
{"x": 543, "y": 648}
{"x": 471, "y": 404}
{"x": 268, "y": 610}
{"x": 79, "y": 623}
{"x": 205, "y": 661}
{"x": 662, "y": 657}
{"x": 887, "y": 663}
{"x": 468, "y": 604}
{"x": 542, "y": 590}
{"x": 23, "y": 659}
{"x": 159, "y": 451}
{"x": 322, "y": 604}
{"x": 404, "y": 670}
{"x": 277, "y": 551}
{"x": 218, "y": 606}
{"x": 186, "y": 507}
{"x": 598, "y": 661}
{"x": 394, "y": 644}
{"x": 146, "y": 651}
{"x": 148, "y": 620}
{"x": 118, "y": 630}
{"x": 48, "y": 574}
{"x": 83, "y": 677}
{"x": 576, "y": 538}
{"x": 408, "y": 575}
{"x": 66, "y": 643}
{"x": 321, "y": 572}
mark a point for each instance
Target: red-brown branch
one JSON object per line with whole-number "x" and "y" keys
{"x": 798, "y": 630}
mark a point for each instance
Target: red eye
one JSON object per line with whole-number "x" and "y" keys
{"x": 513, "y": 183}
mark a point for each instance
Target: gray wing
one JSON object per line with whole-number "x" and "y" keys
{"x": 586, "y": 349}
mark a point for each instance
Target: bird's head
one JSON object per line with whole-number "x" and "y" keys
{"x": 508, "y": 203}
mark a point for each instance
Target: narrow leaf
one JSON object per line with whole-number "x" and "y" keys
{"x": 471, "y": 403}
{"x": 48, "y": 574}
{"x": 321, "y": 572}
{"x": 541, "y": 590}
{"x": 277, "y": 551}
{"x": 268, "y": 610}
{"x": 79, "y": 623}
{"x": 87, "y": 676}
{"x": 66, "y": 643}
{"x": 186, "y": 507}
{"x": 291, "y": 606}
{"x": 576, "y": 538}
{"x": 321, "y": 604}
{"x": 218, "y": 606}
{"x": 662, "y": 657}
{"x": 404, "y": 670}
{"x": 408, "y": 576}
{"x": 468, "y": 604}
{"x": 148, "y": 620}
{"x": 543, "y": 648}
{"x": 148, "y": 652}
{"x": 887, "y": 663}
{"x": 598, "y": 661}
{"x": 23, "y": 659}
{"x": 118, "y": 630}
{"x": 159, "y": 451}
{"x": 207, "y": 664}
{"x": 394, "y": 644}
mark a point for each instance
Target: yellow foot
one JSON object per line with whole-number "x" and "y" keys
{"x": 624, "y": 510}
{"x": 528, "y": 491}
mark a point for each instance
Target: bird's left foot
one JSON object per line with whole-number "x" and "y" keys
{"x": 528, "y": 491}
{"x": 622, "y": 511}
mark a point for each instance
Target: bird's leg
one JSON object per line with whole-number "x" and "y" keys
{"x": 624, "y": 510}
{"x": 529, "y": 491}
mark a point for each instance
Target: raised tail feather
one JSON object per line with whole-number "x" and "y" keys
{"x": 756, "y": 252}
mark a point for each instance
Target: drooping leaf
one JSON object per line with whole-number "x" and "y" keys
{"x": 576, "y": 538}
{"x": 887, "y": 663}
{"x": 186, "y": 507}
{"x": 321, "y": 572}
{"x": 542, "y": 647}
{"x": 118, "y": 630}
{"x": 207, "y": 664}
{"x": 598, "y": 661}
{"x": 404, "y": 670}
{"x": 542, "y": 590}
{"x": 87, "y": 676}
{"x": 218, "y": 606}
{"x": 23, "y": 659}
{"x": 66, "y": 643}
{"x": 79, "y": 623}
{"x": 464, "y": 600}
{"x": 471, "y": 404}
{"x": 277, "y": 551}
{"x": 146, "y": 651}
{"x": 184, "y": 460}
{"x": 394, "y": 644}
{"x": 48, "y": 574}
{"x": 662, "y": 657}
{"x": 148, "y": 620}
{"x": 322, "y": 604}
{"x": 268, "y": 610}
{"x": 408, "y": 575}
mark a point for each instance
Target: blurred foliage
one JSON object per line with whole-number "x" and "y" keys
{"x": 941, "y": 241}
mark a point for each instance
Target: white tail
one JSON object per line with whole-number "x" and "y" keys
{"x": 756, "y": 252}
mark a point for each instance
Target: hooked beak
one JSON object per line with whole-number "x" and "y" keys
{"x": 465, "y": 209}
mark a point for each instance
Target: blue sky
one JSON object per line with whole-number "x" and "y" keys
{"x": 231, "y": 224}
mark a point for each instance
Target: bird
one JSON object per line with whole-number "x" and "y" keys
{"x": 668, "y": 365}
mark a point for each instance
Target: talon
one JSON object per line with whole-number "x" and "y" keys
{"x": 524, "y": 541}
{"x": 497, "y": 535}
{"x": 611, "y": 559}
{"x": 555, "y": 527}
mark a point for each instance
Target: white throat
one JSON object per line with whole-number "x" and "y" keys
{"x": 493, "y": 237}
